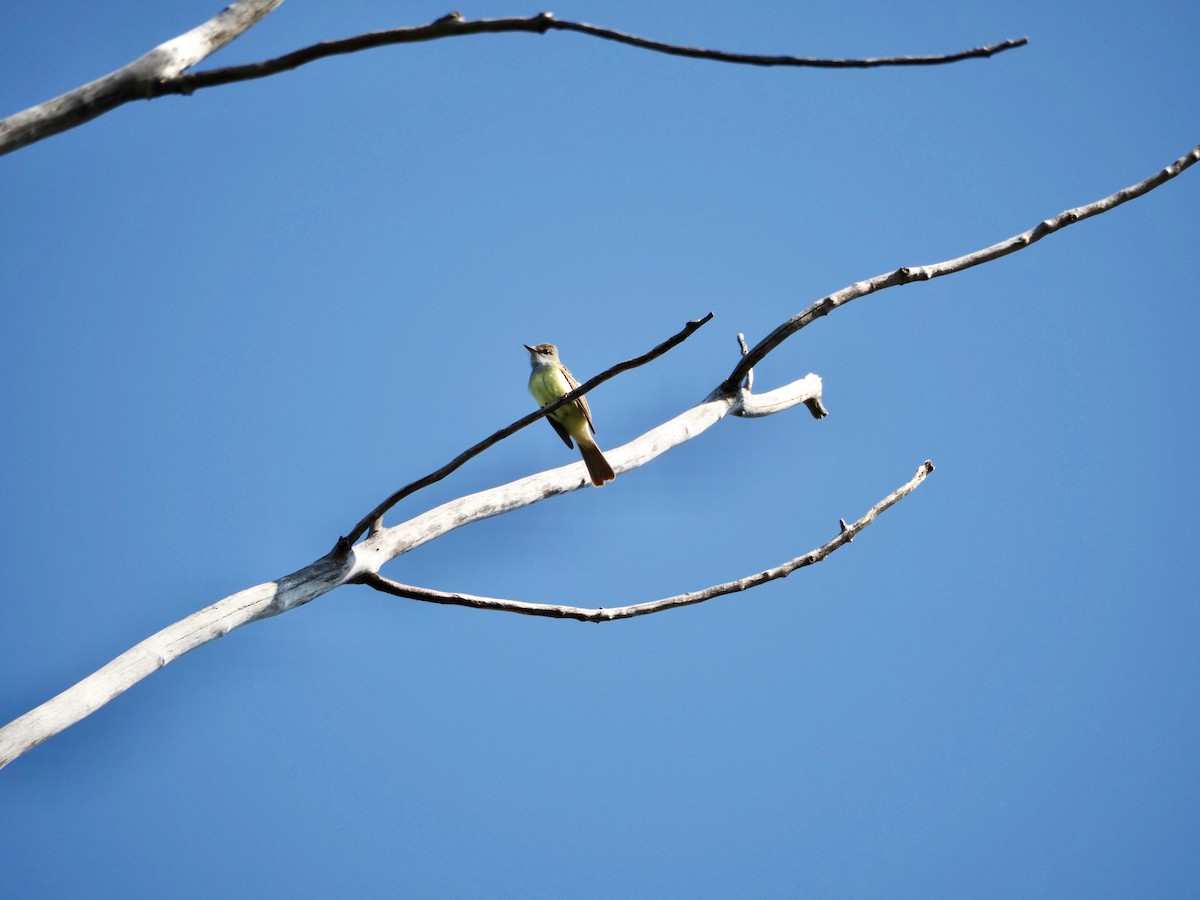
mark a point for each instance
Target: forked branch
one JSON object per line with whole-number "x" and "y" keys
{"x": 362, "y": 561}
{"x": 608, "y": 614}
{"x": 162, "y": 71}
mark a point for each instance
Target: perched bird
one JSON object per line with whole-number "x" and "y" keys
{"x": 549, "y": 381}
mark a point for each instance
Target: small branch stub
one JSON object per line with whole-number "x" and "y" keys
{"x": 748, "y": 381}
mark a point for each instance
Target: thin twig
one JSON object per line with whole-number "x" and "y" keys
{"x": 454, "y": 25}
{"x": 748, "y": 381}
{"x": 754, "y": 59}
{"x": 371, "y": 519}
{"x": 909, "y": 274}
{"x": 846, "y": 534}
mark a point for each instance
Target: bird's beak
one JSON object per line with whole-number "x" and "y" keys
{"x": 527, "y": 347}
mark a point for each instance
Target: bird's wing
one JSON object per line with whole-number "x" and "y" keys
{"x": 581, "y": 402}
{"x": 562, "y": 432}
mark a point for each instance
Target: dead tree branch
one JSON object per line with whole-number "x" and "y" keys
{"x": 454, "y": 25}
{"x": 385, "y": 544}
{"x": 349, "y": 564}
{"x": 344, "y": 564}
{"x": 162, "y": 71}
{"x": 609, "y": 614}
{"x": 141, "y": 79}
{"x": 909, "y": 274}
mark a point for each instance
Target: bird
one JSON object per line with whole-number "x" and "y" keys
{"x": 551, "y": 380}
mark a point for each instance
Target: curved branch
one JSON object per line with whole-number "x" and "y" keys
{"x": 373, "y": 518}
{"x": 162, "y": 71}
{"x": 909, "y": 274}
{"x": 454, "y": 25}
{"x": 755, "y": 59}
{"x": 609, "y": 614}
{"x": 806, "y": 390}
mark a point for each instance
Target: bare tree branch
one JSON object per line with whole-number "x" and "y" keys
{"x": 385, "y": 544}
{"x": 85, "y": 697}
{"x": 909, "y": 274}
{"x": 454, "y": 25}
{"x": 139, "y": 80}
{"x": 162, "y": 71}
{"x": 343, "y": 565}
{"x": 374, "y": 518}
{"x": 754, "y": 405}
{"x": 806, "y": 390}
{"x": 357, "y": 563}
{"x": 609, "y": 614}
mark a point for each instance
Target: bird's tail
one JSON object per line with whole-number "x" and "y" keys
{"x": 597, "y": 465}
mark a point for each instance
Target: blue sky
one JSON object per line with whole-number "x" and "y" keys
{"x": 236, "y": 321}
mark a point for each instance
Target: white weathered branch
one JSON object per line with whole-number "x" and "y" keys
{"x": 139, "y": 80}
{"x": 388, "y": 543}
{"x": 753, "y": 406}
{"x": 610, "y": 613}
{"x": 85, "y": 697}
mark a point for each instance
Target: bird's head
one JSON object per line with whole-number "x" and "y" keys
{"x": 542, "y": 354}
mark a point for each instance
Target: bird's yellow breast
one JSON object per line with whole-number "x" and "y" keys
{"x": 547, "y": 384}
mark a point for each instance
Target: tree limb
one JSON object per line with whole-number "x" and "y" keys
{"x": 162, "y": 71}
{"x": 909, "y": 274}
{"x": 609, "y": 614}
{"x": 215, "y": 621}
{"x": 141, "y": 79}
{"x": 454, "y": 25}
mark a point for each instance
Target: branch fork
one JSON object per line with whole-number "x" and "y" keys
{"x": 612, "y": 613}
{"x": 358, "y": 561}
{"x": 164, "y": 70}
